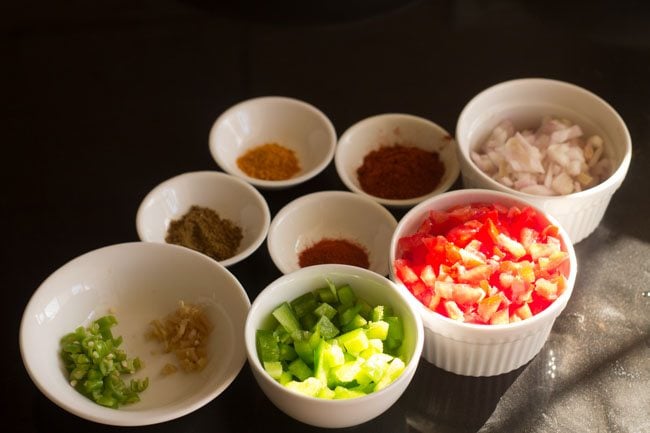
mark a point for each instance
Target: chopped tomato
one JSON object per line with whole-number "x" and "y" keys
{"x": 471, "y": 257}
{"x": 476, "y": 274}
{"x": 511, "y": 246}
{"x": 550, "y": 231}
{"x": 452, "y": 253}
{"x": 498, "y": 253}
{"x": 527, "y": 237}
{"x": 500, "y": 317}
{"x": 538, "y": 303}
{"x": 488, "y": 306}
{"x": 466, "y": 294}
{"x": 462, "y": 235}
{"x": 524, "y": 269}
{"x": 444, "y": 289}
{"x": 524, "y": 219}
{"x": 428, "y": 276}
{"x": 538, "y": 250}
{"x": 418, "y": 288}
{"x": 433, "y": 302}
{"x": 453, "y": 311}
{"x": 484, "y": 263}
{"x": 486, "y": 287}
{"x": 523, "y": 312}
{"x": 405, "y": 273}
{"x": 546, "y": 288}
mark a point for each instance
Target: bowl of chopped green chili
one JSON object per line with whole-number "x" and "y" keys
{"x": 136, "y": 333}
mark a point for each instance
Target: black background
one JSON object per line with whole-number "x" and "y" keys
{"x": 103, "y": 100}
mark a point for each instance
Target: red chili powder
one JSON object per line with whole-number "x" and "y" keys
{"x": 339, "y": 251}
{"x": 400, "y": 172}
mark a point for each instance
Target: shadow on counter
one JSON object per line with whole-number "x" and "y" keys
{"x": 297, "y": 11}
{"x": 443, "y": 402}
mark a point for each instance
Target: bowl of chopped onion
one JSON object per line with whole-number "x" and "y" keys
{"x": 135, "y": 334}
{"x": 551, "y": 143}
{"x": 488, "y": 272}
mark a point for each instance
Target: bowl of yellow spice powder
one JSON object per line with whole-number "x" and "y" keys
{"x": 214, "y": 213}
{"x": 273, "y": 142}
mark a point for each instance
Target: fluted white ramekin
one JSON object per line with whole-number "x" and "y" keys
{"x": 473, "y": 349}
{"x": 524, "y": 102}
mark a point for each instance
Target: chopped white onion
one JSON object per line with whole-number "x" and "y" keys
{"x": 555, "y": 159}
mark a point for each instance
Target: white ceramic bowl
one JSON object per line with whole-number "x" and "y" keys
{"x": 387, "y": 130}
{"x": 289, "y": 122}
{"x": 140, "y": 282}
{"x": 473, "y": 349}
{"x": 367, "y": 284}
{"x": 525, "y": 102}
{"x": 229, "y": 196}
{"x": 330, "y": 214}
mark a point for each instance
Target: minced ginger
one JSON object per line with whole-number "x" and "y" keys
{"x": 184, "y": 332}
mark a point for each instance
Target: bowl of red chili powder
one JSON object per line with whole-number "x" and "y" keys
{"x": 489, "y": 274}
{"x": 331, "y": 227}
{"x": 397, "y": 160}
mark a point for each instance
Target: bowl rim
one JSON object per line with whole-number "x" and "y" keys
{"x": 612, "y": 182}
{"x": 437, "y": 319}
{"x": 272, "y": 184}
{"x": 315, "y": 196}
{"x": 215, "y": 176}
{"x": 127, "y": 418}
{"x": 266, "y": 292}
{"x": 396, "y": 203}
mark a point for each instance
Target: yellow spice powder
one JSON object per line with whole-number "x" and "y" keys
{"x": 269, "y": 161}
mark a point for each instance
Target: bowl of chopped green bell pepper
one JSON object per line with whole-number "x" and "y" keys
{"x": 333, "y": 345}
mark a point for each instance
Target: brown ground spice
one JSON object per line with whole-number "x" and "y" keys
{"x": 202, "y": 229}
{"x": 400, "y": 172}
{"x": 269, "y": 161}
{"x": 341, "y": 251}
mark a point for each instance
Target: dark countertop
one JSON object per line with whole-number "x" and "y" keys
{"x": 103, "y": 100}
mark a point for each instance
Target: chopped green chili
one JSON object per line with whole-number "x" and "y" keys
{"x": 95, "y": 364}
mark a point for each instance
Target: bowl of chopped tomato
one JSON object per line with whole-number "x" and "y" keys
{"x": 489, "y": 274}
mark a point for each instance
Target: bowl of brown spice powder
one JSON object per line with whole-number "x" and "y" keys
{"x": 397, "y": 159}
{"x": 214, "y": 213}
{"x": 328, "y": 227}
{"x": 273, "y": 142}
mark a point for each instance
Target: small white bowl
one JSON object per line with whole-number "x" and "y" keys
{"x": 373, "y": 288}
{"x": 472, "y": 349}
{"x": 387, "y": 130}
{"x": 229, "y": 196}
{"x": 525, "y": 102}
{"x": 335, "y": 215}
{"x": 291, "y": 123}
{"x": 140, "y": 282}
